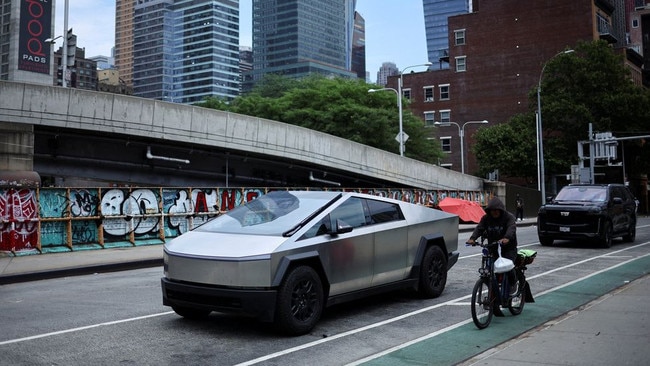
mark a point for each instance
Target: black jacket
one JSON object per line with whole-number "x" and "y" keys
{"x": 496, "y": 229}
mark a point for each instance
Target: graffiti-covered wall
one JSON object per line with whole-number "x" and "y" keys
{"x": 66, "y": 219}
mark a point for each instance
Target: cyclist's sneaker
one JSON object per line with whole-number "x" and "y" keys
{"x": 496, "y": 310}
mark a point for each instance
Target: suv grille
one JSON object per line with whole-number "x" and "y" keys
{"x": 574, "y": 222}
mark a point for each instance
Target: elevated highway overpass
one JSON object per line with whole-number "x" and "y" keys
{"x": 70, "y": 136}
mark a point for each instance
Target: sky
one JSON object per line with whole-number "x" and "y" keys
{"x": 394, "y": 29}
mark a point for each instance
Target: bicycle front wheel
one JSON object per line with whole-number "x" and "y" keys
{"x": 482, "y": 309}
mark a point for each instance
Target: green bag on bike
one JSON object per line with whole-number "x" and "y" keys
{"x": 525, "y": 256}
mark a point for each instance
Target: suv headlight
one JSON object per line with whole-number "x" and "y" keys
{"x": 596, "y": 210}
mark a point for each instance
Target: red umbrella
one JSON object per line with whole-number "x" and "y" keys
{"x": 466, "y": 210}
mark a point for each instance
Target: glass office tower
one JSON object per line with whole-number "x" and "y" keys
{"x": 436, "y": 13}
{"x": 296, "y": 38}
{"x": 186, "y": 50}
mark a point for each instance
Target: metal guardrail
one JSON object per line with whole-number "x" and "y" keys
{"x": 43, "y": 220}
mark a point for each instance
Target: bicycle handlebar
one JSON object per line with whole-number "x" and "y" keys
{"x": 483, "y": 244}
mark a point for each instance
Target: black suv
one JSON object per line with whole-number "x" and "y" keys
{"x": 589, "y": 211}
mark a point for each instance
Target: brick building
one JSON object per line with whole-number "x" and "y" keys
{"x": 83, "y": 75}
{"x": 496, "y": 55}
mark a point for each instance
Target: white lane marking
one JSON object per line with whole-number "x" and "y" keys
{"x": 592, "y": 274}
{"x": 17, "y": 340}
{"x": 591, "y": 259}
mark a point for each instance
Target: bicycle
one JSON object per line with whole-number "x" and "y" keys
{"x": 492, "y": 289}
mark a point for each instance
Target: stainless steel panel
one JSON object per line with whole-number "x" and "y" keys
{"x": 349, "y": 261}
{"x": 256, "y": 273}
{"x": 391, "y": 255}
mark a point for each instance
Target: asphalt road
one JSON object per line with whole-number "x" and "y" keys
{"x": 118, "y": 318}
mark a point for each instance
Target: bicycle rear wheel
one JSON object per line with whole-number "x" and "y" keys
{"x": 482, "y": 309}
{"x": 516, "y": 303}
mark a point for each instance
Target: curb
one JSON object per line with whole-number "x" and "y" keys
{"x": 80, "y": 271}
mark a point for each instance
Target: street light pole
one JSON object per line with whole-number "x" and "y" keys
{"x": 540, "y": 153}
{"x": 399, "y": 105}
{"x": 64, "y": 51}
{"x": 461, "y": 133}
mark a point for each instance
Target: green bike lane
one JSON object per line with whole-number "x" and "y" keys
{"x": 463, "y": 341}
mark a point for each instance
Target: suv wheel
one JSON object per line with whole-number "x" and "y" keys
{"x": 631, "y": 233}
{"x": 547, "y": 242}
{"x": 606, "y": 235}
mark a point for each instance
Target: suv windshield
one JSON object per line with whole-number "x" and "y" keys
{"x": 583, "y": 194}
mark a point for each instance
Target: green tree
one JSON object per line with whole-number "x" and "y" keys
{"x": 509, "y": 147}
{"x": 339, "y": 107}
{"x": 589, "y": 85}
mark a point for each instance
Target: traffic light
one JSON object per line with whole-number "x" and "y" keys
{"x": 71, "y": 44}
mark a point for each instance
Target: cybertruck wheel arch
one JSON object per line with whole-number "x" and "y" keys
{"x": 436, "y": 239}
{"x": 310, "y": 258}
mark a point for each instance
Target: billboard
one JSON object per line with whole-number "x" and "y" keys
{"x": 35, "y": 28}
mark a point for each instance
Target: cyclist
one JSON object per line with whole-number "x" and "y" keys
{"x": 499, "y": 225}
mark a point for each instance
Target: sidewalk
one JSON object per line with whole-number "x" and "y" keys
{"x": 52, "y": 265}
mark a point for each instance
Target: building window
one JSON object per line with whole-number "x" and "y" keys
{"x": 445, "y": 144}
{"x": 429, "y": 119}
{"x": 445, "y": 116}
{"x": 428, "y": 94}
{"x": 444, "y": 92}
{"x": 635, "y": 23}
{"x": 406, "y": 94}
{"x": 461, "y": 64}
{"x": 459, "y": 35}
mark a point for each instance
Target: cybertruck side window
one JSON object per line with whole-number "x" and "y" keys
{"x": 381, "y": 212}
{"x": 353, "y": 212}
{"x": 356, "y": 212}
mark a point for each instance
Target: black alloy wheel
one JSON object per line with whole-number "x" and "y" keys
{"x": 300, "y": 301}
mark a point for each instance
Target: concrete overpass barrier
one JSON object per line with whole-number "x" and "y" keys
{"x": 131, "y": 116}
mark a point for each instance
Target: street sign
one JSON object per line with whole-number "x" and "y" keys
{"x": 405, "y": 137}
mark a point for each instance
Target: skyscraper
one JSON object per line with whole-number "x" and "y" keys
{"x": 153, "y": 50}
{"x": 436, "y": 27}
{"x": 25, "y": 51}
{"x": 387, "y": 69}
{"x": 359, "y": 47}
{"x": 296, "y": 38}
{"x": 124, "y": 40}
{"x": 186, "y": 50}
